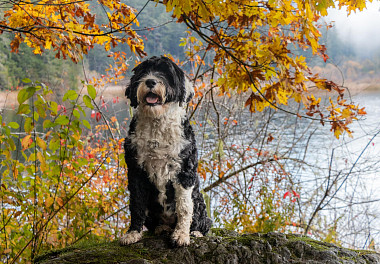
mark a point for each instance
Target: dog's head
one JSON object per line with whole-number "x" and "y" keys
{"x": 156, "y": 82}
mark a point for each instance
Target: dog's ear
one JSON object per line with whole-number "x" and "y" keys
{"x": 184, "y": 91}
{"x": 131, "y": 94}
{"x": 131, "y": 91}
{"x": 189, "y": 90}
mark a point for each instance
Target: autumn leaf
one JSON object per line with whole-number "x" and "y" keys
{"x": 49, "y": 202}
{"x": 26, "y": 142}
{"x": 41, "y": 143}
{"x": 60, "y": 201}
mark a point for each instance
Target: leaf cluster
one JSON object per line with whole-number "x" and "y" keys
{"x": 60, "y": 178}
{"x": 69, "y": 27}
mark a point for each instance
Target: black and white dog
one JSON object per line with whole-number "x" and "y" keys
{"x": 161, "y": 155}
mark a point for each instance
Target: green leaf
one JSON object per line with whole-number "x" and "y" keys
{"x": 76, "y": 113}
{"x": 87, "y": 101}
{"x": 62, "y": 120}
{"x": 54, "y": 144}
{"x": 81, "y": 109}
{"x": 130, "y": 111}
{"x": 91, "y": 91}
{"x": 32, "y": 157}
{"x": 13, "y": 125}
{"x": 74, "y": 126}
{"x": 28, "y": 125}
{"x": 23, "y": 109}
{"x": 36, "y": 116}
{"x": 48, "y": 124}
{"x": 41, "y": 109}
{"x": 86, "y": 124}
{"x": 71, "y": 95}
{"x": 26, "y": 80}
{"x": 54, "y": 107}
{"x": 25, "y": 94}
{"x": 7, "y": 131}
{"x": 82, "y": 162}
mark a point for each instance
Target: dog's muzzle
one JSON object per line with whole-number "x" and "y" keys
{"x": 153, "y": 99}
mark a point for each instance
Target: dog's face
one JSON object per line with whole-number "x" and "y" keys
{"x": 156, "y": 83}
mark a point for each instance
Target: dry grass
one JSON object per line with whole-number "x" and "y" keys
{"x": 8, "y": 99}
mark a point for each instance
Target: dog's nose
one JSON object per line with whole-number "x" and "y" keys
{"x": 150, "y": 83}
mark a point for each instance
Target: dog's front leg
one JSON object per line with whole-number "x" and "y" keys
{"x": 184, "y": 210}
{"x": 138, "y": 207}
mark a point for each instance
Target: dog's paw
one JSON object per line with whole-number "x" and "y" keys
{"x": 163, "y": 229}
{"x": 130, "y": 238}
{"x": 196, "y": 234}
{"x": 180, "y": 238}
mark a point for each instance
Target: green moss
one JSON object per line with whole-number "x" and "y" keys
{"x": 95, "y": 252}
{"x": 221, "y": 232}
{"x": 220, "y": 245}
{"x": 362, "y": 252}
{"x": 313, "y": 243}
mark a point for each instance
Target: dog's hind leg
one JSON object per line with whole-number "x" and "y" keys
{"x": 184, "y": 210}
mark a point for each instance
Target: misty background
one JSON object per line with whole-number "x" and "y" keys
{"x": 361, "y": 29}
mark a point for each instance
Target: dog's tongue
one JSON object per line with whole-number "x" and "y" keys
{"x": 151, "y": 99}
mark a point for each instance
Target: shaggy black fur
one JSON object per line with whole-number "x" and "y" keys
{"x": 144, "y": 206}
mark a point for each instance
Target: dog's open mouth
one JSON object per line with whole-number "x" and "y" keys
{"x": 153, "y": 99}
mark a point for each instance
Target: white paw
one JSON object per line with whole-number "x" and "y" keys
{"x": 130, "y": 238}
{"x": 196, "y": 234}
{"x": 181, "y": 238}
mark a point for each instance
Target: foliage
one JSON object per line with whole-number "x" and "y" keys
{"x": 60, "y": 178}
{"x": 251, "y": 40}
{"x": 69, "y": 28}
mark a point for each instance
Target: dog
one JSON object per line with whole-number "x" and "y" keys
{"x": 161, "y": 156}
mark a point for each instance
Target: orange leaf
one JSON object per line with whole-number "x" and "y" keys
{"x": 60, "y": 201}
{"x": 49, "y": 201}
{"x": 26, "y": 142}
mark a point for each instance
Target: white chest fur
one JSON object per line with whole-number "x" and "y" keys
{"x": 159, "y": 141}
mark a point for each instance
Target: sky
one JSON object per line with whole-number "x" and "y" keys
{"x": 362, "y": 29}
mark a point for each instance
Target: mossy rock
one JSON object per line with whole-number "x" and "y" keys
{"x": 221, "y": 246}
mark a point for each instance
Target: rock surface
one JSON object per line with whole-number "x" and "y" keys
{"x": 221, "y": 246}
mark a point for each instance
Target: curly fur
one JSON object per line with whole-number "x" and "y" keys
{"x": 161, "y": 155}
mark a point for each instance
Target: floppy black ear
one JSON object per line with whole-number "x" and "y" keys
{"x": 177, "y": 80}
{"x": 131, "y": 91}
{"x": 131, "y": 94}
{"x": 189, "y": 90}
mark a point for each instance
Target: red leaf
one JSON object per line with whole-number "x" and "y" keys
{"x": 287, "y": 194}
{"x": 61, "y": 107}
{"x": 98, "y": 116}
{"x": 93, "y": 114}
{"x": 104, "y": 105}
